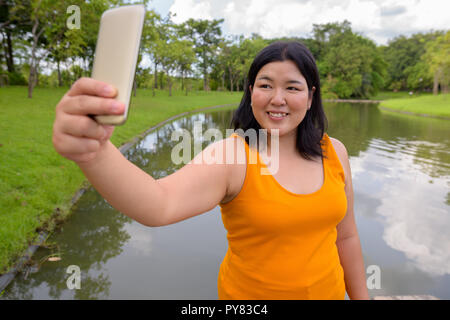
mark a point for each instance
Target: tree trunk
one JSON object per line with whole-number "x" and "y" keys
{"x": 31, "y": 78}
{"x": 169, "y": 82}
{"x": 205, "y": 81}
{"x": 205, "y": 72}
{"x": 436, "y": 82}
{"x": 36, "y": 75}
{"x": 9, "y": 52}
{"x": 182, "y": 81}
{"x": 134, "y": 88}
{"x": 231, "y": 79}
{"x": 223, "y": 81}
{"x": 59, "y": 75}
{"x": 34, "y": 61}
{"x": 156, "y": 79}
{"x": 31, "y": 82}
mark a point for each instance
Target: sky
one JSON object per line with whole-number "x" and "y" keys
{"x": 379, "y": 20}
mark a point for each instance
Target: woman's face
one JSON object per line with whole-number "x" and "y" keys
{"x": 280, "y": 88}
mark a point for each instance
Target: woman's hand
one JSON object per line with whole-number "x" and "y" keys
{"x": 77, "y": 136}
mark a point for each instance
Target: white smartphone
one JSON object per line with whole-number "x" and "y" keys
{"x": 116, "y": 54}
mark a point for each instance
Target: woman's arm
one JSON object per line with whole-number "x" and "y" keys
{"x": 347, "y": 242}
{"x": 194, "y": 189}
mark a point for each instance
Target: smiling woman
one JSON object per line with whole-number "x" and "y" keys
{"x": 279, "y": 85}
{"x": 291, "y": 233}
{"x": 285, "y": 79}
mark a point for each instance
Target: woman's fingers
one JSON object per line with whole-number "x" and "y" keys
{"x": 86, "y": 105}
{"x": 67, "y": 144}
{"x": 81, "y": 126}
{"x": 89, "y": 86}
{"x": 76, "y": 135}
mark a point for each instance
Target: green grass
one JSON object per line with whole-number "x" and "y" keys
{"x": 430, "y": 105}
{"x": 385, "y": 95}
{"x": 35, "y": 180}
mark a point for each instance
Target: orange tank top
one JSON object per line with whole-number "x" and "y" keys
{"x": 282, "y": 245}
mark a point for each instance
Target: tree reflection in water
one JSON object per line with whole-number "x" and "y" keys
{"x": 389, "y": 153}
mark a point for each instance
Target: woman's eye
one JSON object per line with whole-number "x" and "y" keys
{"x": 293, "y": 88}
{"x": 264, "y": 86}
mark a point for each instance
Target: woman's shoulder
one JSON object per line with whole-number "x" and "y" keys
{"x": 342, "y": 154}
{"x": 339, "y": 147}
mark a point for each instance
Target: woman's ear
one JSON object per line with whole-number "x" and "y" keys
{"x": 250, "y": 88}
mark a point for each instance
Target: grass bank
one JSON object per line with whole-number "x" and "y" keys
{"x": 385, "y": 95}
{"x": 424, "y": 105}
{"x": 35, "y": 181}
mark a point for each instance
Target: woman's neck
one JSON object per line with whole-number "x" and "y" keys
{"x": 286, "y": 144}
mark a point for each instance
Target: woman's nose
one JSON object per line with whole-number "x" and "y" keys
{"x": 278, "y": 98}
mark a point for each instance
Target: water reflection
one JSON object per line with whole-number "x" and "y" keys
{"x": 95, "y": 234}
{"x": 401, "y": 170}
{"x": 400, "y": 167}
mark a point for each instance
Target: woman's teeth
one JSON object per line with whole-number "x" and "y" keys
{"x": 278, "y": 115}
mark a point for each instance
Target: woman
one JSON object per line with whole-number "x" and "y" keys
{"x": 291, "y": 232}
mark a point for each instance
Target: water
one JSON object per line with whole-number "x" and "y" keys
{"x": 401, "y": 178}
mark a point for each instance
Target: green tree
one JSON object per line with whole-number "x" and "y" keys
{"x": 351, "y": 65}
{"x": 62, "y": 41}
{"x": 419, "y": 76}
{"x": 437, "y": 56}
{"x": 206, "y": 36}
{"x": 402, "y": 54}
{"x": 14, "y": 23}
{"x": 154, "y": 36}
{"x": 185, "y": 58}
{"x": 43, "y": 13}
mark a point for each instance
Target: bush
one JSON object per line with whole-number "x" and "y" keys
{"x": 213, "y": 84}
{"x": 16, "y": 79}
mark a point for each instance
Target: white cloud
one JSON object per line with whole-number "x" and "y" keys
{"x": 414, "y": 224}
{"x": 379, "y": 20}
{"x": 186, "y": 9}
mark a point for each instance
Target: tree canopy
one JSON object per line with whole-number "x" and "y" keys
{"x": 38, "y": 48}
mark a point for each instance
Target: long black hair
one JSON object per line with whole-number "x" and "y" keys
{"x": 310, "y": 131}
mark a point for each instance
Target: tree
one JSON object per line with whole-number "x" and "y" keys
{"x": 351, "y": 64}
{"x": 154, "y": 35}
{"x": 437, "y": 56}
{"x": 90, "y": 23}
{"x": 235, "y": 57}
{"x": 43, "y": 13}
{"x": 402, "y": 54}
{"x": 14, "y": 22}
{"x": 64, "y": 42}
{"x": 185, "y": 58}
{"x": 205, "y": 35}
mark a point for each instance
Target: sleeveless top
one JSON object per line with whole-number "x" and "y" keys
{"x": 282, "y": 245}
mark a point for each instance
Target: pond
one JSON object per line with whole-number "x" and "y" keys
{"x": 401, "y": 178}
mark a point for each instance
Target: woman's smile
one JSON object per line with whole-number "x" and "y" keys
{"x": 280, "y": 97}
{"x": 277, "y": 116}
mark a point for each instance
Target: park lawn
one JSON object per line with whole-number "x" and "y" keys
{"x": 430, "y": 105}
{"x": 36, "y": 183}
{"x": 387, "y": 95}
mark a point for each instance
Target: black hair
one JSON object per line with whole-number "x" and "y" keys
{"x": 310, "y": 131}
